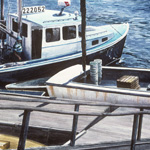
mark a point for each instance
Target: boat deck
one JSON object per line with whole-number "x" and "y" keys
{"x": 112, "y": 83}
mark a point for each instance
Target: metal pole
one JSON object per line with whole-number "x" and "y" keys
{"x": 74, "y": 126}
{"x": 24, "y": 130}
{"x": 83, "y": 14}
{"x": 134, "y": 131}
{"x": 2, "y": 9}
{"x": 140, "y": 126}
{"x": 19, "y": 9}
{"x": 2, "y": 19}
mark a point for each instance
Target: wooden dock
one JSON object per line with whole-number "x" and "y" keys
{"x": 58, "y": 114}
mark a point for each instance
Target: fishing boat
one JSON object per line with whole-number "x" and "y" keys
{"x": 119, "y": 85}
{"x": 51, "y": 41}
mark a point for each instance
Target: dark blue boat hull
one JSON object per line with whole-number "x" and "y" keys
{"x": 108, "y": 56}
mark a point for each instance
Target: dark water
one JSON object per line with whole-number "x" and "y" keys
{"x": 135, "y": 12}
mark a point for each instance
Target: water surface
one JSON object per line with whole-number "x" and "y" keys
{"x": 99, "y": 12}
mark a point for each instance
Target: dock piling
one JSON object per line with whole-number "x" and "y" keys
{"x": 24, "y": 130}
{"x": 74, "y": 127}
{"x": 83, "y": 43}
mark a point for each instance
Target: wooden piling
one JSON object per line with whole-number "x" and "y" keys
{"x": 83, "y": 14}
{"x": 2, "y": 21}
{"x": 74, "y": 126}
{"x": 24, "y": 130}
{"x": 2, "y": 9}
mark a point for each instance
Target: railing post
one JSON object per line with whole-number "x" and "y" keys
{"x": 134, "y": 131}
{"x": 140, "y": 126}
{"x": 24, "y": 130}
{"x": 74, "y": 126}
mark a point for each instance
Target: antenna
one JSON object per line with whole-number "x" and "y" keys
{"x": 63, "y": 4}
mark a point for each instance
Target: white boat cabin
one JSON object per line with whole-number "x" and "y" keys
{"x": 46, "y": 34}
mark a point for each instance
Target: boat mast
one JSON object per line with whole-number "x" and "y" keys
{"x": 83, "y": 14}
{"x": 2, "y": 10}
{"x": 2, "y": 22}
{"x": 19, "y": 11}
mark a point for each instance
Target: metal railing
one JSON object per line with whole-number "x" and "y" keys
{"x": 137, "y": 122}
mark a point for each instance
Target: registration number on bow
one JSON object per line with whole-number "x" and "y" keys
{"x": 34, "y": 9}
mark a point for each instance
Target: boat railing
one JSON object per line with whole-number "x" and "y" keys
{"x": 4, "y": 29}
{"x": 137, "y": 121}
{"x": 58, "y": 20}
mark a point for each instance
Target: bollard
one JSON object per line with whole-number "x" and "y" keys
{"x": 99, "y": 63}
{"x": 94, "y": 72}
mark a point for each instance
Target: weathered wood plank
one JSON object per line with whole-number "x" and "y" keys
{"x": 144, "y": 145}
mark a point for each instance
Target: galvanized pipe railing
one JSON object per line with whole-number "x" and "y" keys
{"x": 65, "y": 112}
{"x": 54, "y": 100}
{"x": 137, "y": 125}
{"x": 28, "y": 109}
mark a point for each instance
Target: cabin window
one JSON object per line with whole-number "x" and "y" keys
{"x": 52, "y": 34}
{"x": 69, "y": 32}
{"x": 104, "y": 39}
{"x": 24, "y": 28}
{"x": 95, "y": 42}
{"x": 14, "y": 26}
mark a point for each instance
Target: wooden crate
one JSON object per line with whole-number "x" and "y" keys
{"x": 4, "y": 144}
{"x": 127, "y": 81}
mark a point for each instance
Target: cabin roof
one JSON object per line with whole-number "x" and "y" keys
{"x": 50, "y": 17}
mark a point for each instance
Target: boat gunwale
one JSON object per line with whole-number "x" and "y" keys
{"x": 98, "y": 88}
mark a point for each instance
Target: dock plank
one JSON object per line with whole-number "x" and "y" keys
{"x": 114, "y": 129}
